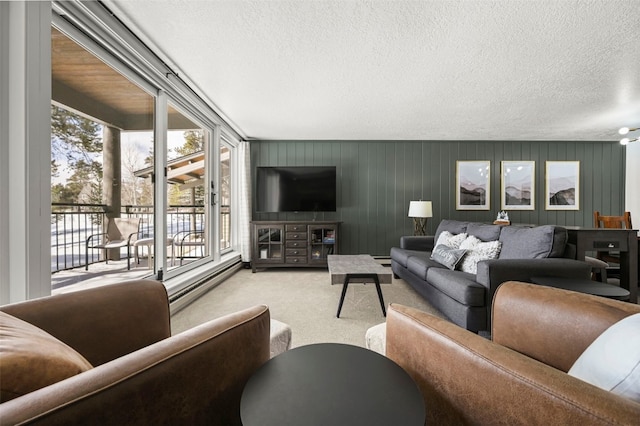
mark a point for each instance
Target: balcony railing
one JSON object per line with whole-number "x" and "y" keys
{"x": 71, "y": 225}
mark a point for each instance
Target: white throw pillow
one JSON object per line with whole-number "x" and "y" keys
{"x": 477, "y": 251}
{"x": 612, "y": 361}
{"x": 448, "y": 239}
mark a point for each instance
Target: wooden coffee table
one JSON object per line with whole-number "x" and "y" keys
{"x": 359, "y": 268}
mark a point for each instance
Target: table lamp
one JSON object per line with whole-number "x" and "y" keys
{"x": 420, "y": 211}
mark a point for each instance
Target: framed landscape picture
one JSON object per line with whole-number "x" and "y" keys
{"x": 562, "y": 185}
{"x": 472, "y": 185}
{"x": 517, "y": 186}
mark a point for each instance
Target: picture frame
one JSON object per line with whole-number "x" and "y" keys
{"x": 517, "y": 185}
{"x": 562, "y": 185}
{"x": 473, "y": 185}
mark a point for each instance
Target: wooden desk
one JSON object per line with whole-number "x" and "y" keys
{"x": 624, "y": 241}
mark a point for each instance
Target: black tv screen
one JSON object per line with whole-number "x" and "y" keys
{"x": 296, "y": 189}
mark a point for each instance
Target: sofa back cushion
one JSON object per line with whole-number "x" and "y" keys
{"x": 453, "y": 226}
{"x": 477, "y": 251}
{"x": 31, "y": 358}
{"x": 560, "y": 242}
{"x": 532, "y": 243}
{"x": 484, "y": 231}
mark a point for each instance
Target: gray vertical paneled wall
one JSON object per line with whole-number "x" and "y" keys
{"x": 377, "y": 179}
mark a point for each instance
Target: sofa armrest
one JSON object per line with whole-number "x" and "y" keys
{"x": 492, "y": 273}
{"x": 102, "y": 323}
{"x": 571, "y": 321}
{"x": 195, "y": 377}
{"x": 417, "y": 242}
{"x": 467, "y": 379}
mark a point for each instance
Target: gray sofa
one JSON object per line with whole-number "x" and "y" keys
{"x": 465, "y": 298}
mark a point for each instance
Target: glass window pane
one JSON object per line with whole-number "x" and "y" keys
{"x": 225, "y": 197}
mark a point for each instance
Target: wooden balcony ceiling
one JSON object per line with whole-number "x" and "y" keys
{"x": 187, "y": 171}
{"x": 83, "y": 83}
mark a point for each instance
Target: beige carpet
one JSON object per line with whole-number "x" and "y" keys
{"x": 304, "y": 299}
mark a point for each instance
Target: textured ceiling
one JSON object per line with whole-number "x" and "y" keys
{"x": 404, "y": 70}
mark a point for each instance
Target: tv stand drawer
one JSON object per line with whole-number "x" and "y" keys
{"x": 301, "y": 236}
{"x": 296, "y": 227}
{"x": 296, "y": 243}
{"x": 296, "y": 252}
{"x": 291, "y": 260}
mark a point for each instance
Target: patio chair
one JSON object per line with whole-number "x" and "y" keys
{"x": 121, "y": 232}
{"x": 190, "y": 240}
{"x": 148, "y": 242}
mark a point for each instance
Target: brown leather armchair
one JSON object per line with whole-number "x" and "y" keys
{"x": 141, "y": 374}
{"x": 520, "y": 377}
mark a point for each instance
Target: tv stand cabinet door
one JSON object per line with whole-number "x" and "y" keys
{"x": 323, "y": 241}
{"x": 268, "y": 246}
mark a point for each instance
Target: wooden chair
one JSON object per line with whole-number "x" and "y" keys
{"x": 619, "y": 222}
{"x": 121, "y": 232}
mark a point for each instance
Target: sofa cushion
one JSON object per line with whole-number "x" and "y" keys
{"x": 453, "y": 226}
{"x": 483, "y": 231}
{"x": 447, "y": 256}
{"x": 458, "y": 285}
{"x": 477, "y": 251}
{"x": 450, "y": 240}
{"x": 402, "y": 256}
{"x": 612, "y": 361}
{"x": 560, "y": 239}
{"x": 418, "y": 266}
{"x": 31, "y": 358}
{"x": 527, "y": 243}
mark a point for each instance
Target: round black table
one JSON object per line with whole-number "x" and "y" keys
{"x": 331, "y": 384}
{"x": 596, "y": 288}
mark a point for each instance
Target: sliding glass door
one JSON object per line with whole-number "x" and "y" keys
{"x": 128, "y": 143}
{"x": 188, "y": 209}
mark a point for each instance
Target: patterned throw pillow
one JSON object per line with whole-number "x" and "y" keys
{"x": 447, "y": 256}
{"x": 477, "y": 251}
{"x": 450, "y": 240}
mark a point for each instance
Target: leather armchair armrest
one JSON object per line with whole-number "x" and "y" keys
{"x": 195, "y": 377}
{"x": 103, "y": 323}
{"x": 571, "y": 321}
{"x": 417, "y": 242}
{"x": 467, "y": 379}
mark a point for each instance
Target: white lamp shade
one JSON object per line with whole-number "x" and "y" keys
{"x": 420, "y": 209}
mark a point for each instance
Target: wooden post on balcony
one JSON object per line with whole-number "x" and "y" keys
{"x": 111, "y": 178}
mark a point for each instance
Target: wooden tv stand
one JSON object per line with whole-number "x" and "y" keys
{"x": 277, "y": 244}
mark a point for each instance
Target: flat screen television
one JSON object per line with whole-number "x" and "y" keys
{"x": 296, "y": 189}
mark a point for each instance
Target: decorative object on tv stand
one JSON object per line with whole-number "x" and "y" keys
{"x": 625, "y": 131}
{"x": 420, "y": 211}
